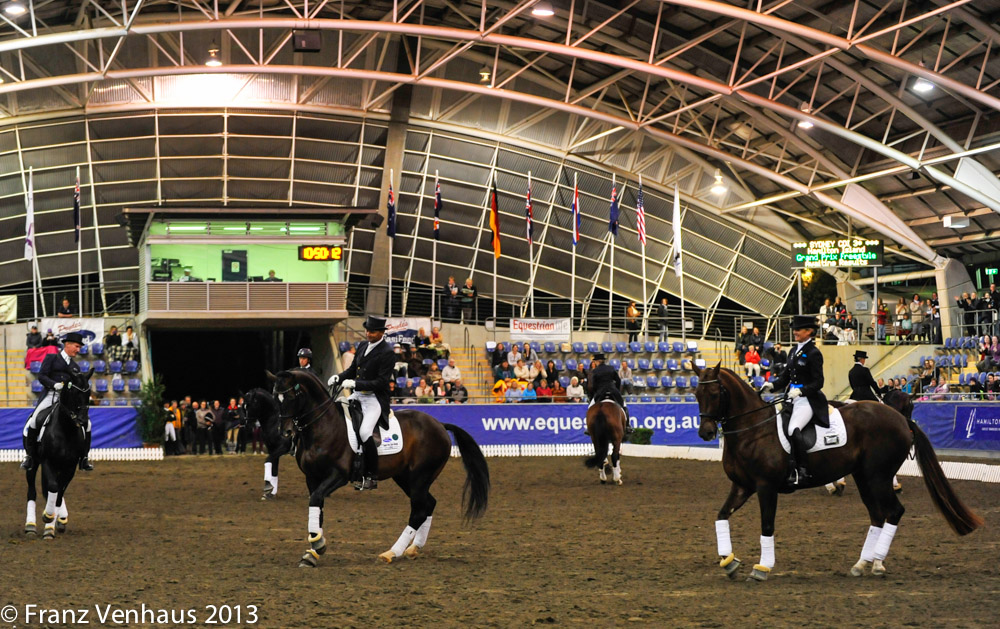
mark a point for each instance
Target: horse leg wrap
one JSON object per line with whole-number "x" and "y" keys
{"x": 767, "y": 551}
{"x": 309, "y": 559}
{"x": 314, "y": 527}
{"x": 884, "y": 541}
{"x": 730, "y": 564}
{"x": 722, "y": 538}
{"x": 50, "y": 506}
{"x": 405, "y": 538}
{"x": 759, "y": 573}
{"x": 267, "y": 472}
{"x": 868, "y": 550}
{"x": 421, "y": 537}
{"x": 29, "y": 518}
{"x": 318, "y": 543}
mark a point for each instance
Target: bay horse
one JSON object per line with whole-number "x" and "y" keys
{"x": 260, "y": 406}
{"x": 878, "y": 441}
{"x": 61, "y": 445}
{"x": 316, "y": 423}
{"x": 606, "y": 425}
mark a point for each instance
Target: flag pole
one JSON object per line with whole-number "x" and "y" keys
{"x": 611, "y": 271}
{"x": 645, "y": 332}
{"x": 572, "y": 275}
{"x": 30, "y": 239}
{"x": 434, "y": 258}
{"x": 680, "y": 262}
{"x": 79, "y": 243}
{"x": 391, "y": 242}
{"x": 531, "y": 255}
{"x": 495, "y": 201}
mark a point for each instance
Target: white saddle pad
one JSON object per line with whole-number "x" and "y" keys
{"x": 826, "y": 438}
{"x": 391, "y": 441}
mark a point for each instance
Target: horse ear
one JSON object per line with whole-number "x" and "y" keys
{"x": 718, "y": 367}
{"x": 270, "y": 376}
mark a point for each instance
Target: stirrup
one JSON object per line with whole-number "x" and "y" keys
{"x": 28, "y": 463}
{"x": 86, "y": 465}
{"x": 367, "y": 483}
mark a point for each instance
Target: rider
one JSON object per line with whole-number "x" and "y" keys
{"x": 803, "y": 376}
{"x": 305, "y": 356}
{"x": 863, "y": 386}
{"x": 369, "y": 377}
{"x": 605, "y": 383}
{"x": 56, "y": 371}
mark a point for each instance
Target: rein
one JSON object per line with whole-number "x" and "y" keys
{"x": 295, "y": 417}
{"x": 722, "y": 418}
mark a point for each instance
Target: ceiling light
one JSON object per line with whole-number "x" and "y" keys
{"x": 15, "y": 8}
{"x": 805, "y": 124}
{"x": 719, "y": 188}
{"x": 922, "y": 85}
{"x": 213, "y": 57}
{"x": 542, "y": 9}
{"x": 484, "y": 75}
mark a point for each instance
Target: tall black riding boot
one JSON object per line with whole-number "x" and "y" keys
{"x": 628, "y": 422}
{"x": 370, "y": 475}
{"x": 85, "y": 463}
{"x": 797, "y": 474}
{"x": 30, "y": 449}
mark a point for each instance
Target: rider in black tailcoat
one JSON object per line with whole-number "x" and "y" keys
{"x": 604, "y": 383}
{"x": 863, "y": 385}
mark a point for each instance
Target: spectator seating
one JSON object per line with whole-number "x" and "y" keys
{"x": 700, "y": 363}
{"x": 84, "y": 365}
{"x": 649, "y": 346}
{"x": 621, "y": 348}
{"x": 134, "y": 385}
{"x": 137, "y": 402}
{"x": 35, "y": 367}
{"x": 442, "y": 363}
{"x": 680, "y": 382}
{"x": 767, "y": 346}
{"x": 663, "y": 347}
{"x": 765, "y": 364}
{"x": 666, "y": 382}
{"x": 652, "y": 382}
{"x": 678, "y": 347}
{"x": 564, "y": 381}
{"x": 690, "y": 398}
{"x": 657, "y": 364}
{"x": 693, "y": 382}
{"x": 550, "y": 347}
{"x": 115, "y": 366}
{"x": 645, "y": 399}
{"x": 672, "y": 364}
{"x": 615, "y": 363}
{"x": 100, "y": 366}
{"x": 101, "y": 385}
{"x": 630, "y": 362}
{"x": 131, "y": 366}
{"x": 675, "y": 398}
{"x": 578, "y": 348}
{"x": 571, "y": 364}
{"x": 586, "y": 364}
{"x": 344, "y": 346}
{"x": 558, "y": 363}
{"x": 118, "y": 385}
{"x": 607, "y": 347}
{"x": 692, "y": 347}
{"x": 660, "y": 398}
{"x": 758, "y": 382}
{"x": 36, "y": 386}
{"x": 593, "y": 347}
{"x": 97, "y": 348}
{"x": 106, "y": 402}
{"x": 84, "y": 350}
{"x": 643, "y": 364}
{"x": 121, "y": 402}
{"x": 428, "y": 362}
{"x": 565, "y": 348}
{"x": 535, "y": 346}
{"x": 638, "y": 382}
{"x": 636, "y": 347}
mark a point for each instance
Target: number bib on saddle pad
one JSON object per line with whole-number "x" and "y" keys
{"x": 389, "y": 440}
{"x": 818, "y": 438}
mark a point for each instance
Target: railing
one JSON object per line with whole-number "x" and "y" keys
{"x": 245, "y": 296}
{"x": 121, "y": 299}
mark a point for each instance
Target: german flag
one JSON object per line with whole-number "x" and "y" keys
{"x": 495, "y": 218}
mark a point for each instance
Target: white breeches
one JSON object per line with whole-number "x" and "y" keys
{"x": 170, "y": 433}
{"x": 371, "y": 411}
{"x": 47, "y": 400}
{"x": 801, "y": 414}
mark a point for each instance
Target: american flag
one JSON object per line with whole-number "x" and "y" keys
{"x": 640, "y": 216}
{"x": 529, "y": 215}
{"x": 576, "y": 215}
{"x": 437, "y": 210}
{"x": 76, "y": 211}
{"x": 390, "y": 228}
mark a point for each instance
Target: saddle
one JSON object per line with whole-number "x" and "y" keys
{"x": 44, "y": 417}
{"x": 357, "y": 416}
{"x": 832, "y": 437}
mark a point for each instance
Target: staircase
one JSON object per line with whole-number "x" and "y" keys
{"x": 466, "y": 359}
{"x": 14, "y": 385}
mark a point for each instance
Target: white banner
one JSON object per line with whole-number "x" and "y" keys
{"x": 540, "y": 329}
{"x": 90, "y": 329}
{"x": 402, "y": 330}
{"x": 8, "y": 308}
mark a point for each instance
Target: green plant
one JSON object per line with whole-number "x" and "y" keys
{"x": 641, "y": 436}
{"x": 150, "y": 412}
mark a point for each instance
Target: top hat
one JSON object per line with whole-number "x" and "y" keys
{"x": 860, "y": 354}
{"x": 73, "y": 337}
{"x": 804, "y": 321}
{"x": 374, "y": 324}
{"x": 597, "y": 356}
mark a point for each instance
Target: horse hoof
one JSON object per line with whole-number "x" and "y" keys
{"x": 858, "y": 569}
{"x": 266, "y": 496}
{"x": 411, "y": 552}
{"x": 604, "y": 482}
{"x": 47, "y": 518}
{"x": 388, "y": 556}
{"x": 49, "y": 533}
{"x": 897, "y": 488}
{"x": 60, "y": 527}
{"x": 839, "y": 490}
{"x": 730, "y": 564}
{"x": 759, "y": 573}
{"x": 618, "y": 482}
{"x": 309, "y": 559}
{"x": 318, "y": 544}
{"x": 878, "y": 568}
{"x": 30, "y": 531}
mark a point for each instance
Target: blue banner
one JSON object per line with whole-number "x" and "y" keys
{"x": 503, "y": 424}
{"x": 960, "y": 426}
{"x": 113, "y": 427}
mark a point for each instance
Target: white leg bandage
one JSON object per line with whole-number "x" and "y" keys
{"x": 722, "y": 538}
{"x": 405, "y": 539}
{"x": 314, "y": 527}
{"x": 63, "y": 511}
{"x": 421, "y": 537}
{"x": 30, "y": 517}
{"x": 868, "y": 550}
{"x": 767, "y": 551}
{"x": 274, "y": 485}
{"x": 267, "y": 472}
{"x": 884, "y": 541}
{"x": 617, "y": 472}
{"x": 50, "y": 503}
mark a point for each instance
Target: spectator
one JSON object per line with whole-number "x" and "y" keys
{"x": 529, "y": 355}
{"x": 742, "y": 343}
{"x": 514, "y": 392}
{"x": 424, "y": 393}
{"x": 499, "y": 355}
{"x": 203, "y": 422}
{"x": 347, "y": 358}
{"x": 433, "y": 373}
{"x": 423, "y": 344}
{"x": 395, "y": 397}
{"x": 850, "y": 328}
{"x": 442, "y": 349}
{"x": 779, "y": 360}
{"x": 632, "y": 321}
{"x": 543, "y": 392}
{"x": 558, "y": 392}
{"x": 551, "y": 373}
{"x": 976, "y": 389}
{"x": 499, "y": 391}
{"x": 218, "y": 427}
{"x": 65, "y": 311}
{"x": 468, "y": 300}
{"x": 536, "y": 372}
{"x": 503, "y": 371}
{"x": 882, "y": 389}
{"x": 442, "y": 392}
{"x": 940, "y": 391}
{"x": 839, "y": 307}
{"x": 34, "y": 338}
{"x": 917, "y": 317}
{"x": 50, "y": 340}
{"x": 936, "y": 318}
{"x": 451, "y": 373}
{"x": 521, "y": 371}
{"x": 112, "y": 339}
{"x": 581, "y": 375}
{"x": 661, "y": 316}
{"x": 459, "y": 394}
{"x": 625, "y": 374}
{"x": 401, "y": 368}
{"x": 450, "y": 300}
{"x": 574, "y": 391}
{"x": 271, "y": 277}
{"x": 529, "y": 395}
{"x": 407, "y": 394}
{"x": 881, "y": 317}
{"x": 415, "y": 365}
{"x": 187, "y": 277}
{"x": 965, "y": 303}
{"x": 232, "y": 424}
{"x": 756, "y": 338}
{"x": 906, "y": 326}
{"x": 752, "y": 363}
{"x": 514, "y": 354}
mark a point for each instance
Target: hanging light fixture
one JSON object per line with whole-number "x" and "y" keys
{"x": 15, "y": 8}
{"x": 542, "y": 9}
{"x": 922, "y": 85}
{"x": 805, "y": 124}
{"x": 484, "y": 75}
{"x": 719, "y": 188}
{"x": 213, "y": 60}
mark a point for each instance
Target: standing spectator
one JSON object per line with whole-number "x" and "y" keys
{"x": 826, "y": 312}
{"x": 459, "y": 394}
{"x": 219, "y": 427}
{"x": 34, "y": 338}
{"x": 450, "y": 300}
{"x": 499, "y": 355}
{"x": 935, "y": 318}
{"x": 543, "y": 392}
{"x": 451, "y": 373}
{"x": 756, "y": 338}
{"x": 779, "y": 360}
{"x": 347, "y": 358}
{"x": 742, "y": 343}
{"x": 881, "y": 317}
{"x": 917, "y": 317}
{"x": 625, "y": 374}
{"x": 202, "y": 422}
{"x": 232, "y": 423}
{"x": 661, "y": 316}
{"x": 838, "y": 306}
{"x": 469, "y": 294}
{"x": 574, "y": 391}
{"x": 65, "y": 311}
{"x": 632, "y": 323}
{"x": 169, "y": 434}
{"x": 243, "y": 434}
{"x": 752, "y": 363}
{"x": 437, "y": 343}
{"x": 901, "y": 310}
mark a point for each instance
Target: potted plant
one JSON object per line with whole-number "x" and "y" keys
{"x": 150, "y": 411}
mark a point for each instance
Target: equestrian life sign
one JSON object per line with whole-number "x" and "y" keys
{"x": 833, "y": 253}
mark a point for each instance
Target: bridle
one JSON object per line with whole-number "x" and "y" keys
{"x": 721, "y": 417}
{"x": 298, "y": 420}
{"x": 79, "y": 416}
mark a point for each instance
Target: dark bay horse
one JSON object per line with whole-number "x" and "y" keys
{"x": 62, "y": 444}
{"x": 261, "y": 407}
{"x": 323, "y": 451}
{"x": 606, "y": 425}
{"x": 878, "y": 441}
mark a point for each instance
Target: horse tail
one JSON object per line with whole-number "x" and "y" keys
{"x": 961, "y": 519}
{"x": 599, "y": 434}
{"x": 476, "y": 493}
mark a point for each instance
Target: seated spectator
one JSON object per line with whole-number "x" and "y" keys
{"x": 551, "y": 373}
{"x": 112, "y": 338}
{"x": 424, "y": 393}
{"x": 529, "y": 395}
{"x": 347, "y": 358}
{"x": 503, "y": 371}
{"x": 459, "y": 394}
{"x": 271, "y": 277}
{"x": 407, "y": 393}
{"x": 536, "y": 372}
{"x": 530, "y": 356}
{"x": 521, "y": 371}
{"x": 423, "y": 344}
{"x": 574, "y": 392}
{"x": 882, "y": 388}
{"x": 401, "y": 368}
{"x": 442, "y": 392}
{"x": 514, "y": 392}
{"x": 752, "y": 363}
{"x": 581, "y": 375}
{"x": 433, "y": 373}
{"x": 34, "y": 338}
{"x": 415, "y": 364}
{"x": 906, "y": 326}
{"x": 558, "y": 392}
{"x": 394, "y": 393}
{"x": 543, "y": 392}
{"x": 499, "y": 355}
{"x": 442, "y": 349}
{"x": 992, "y": 387}
{"x": 625, "y": 373}
{"x": 50, "y": 339}
{"x": 514, "y": 354}
{"x": 976, "y": 390}
{"x": 941, "y": 391}
{"x": 451, "y": 373}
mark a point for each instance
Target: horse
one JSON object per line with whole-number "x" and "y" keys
{"x": 316, "y": 423}
{"x": 62, "y": 444}
{"x": 606, "y": 425}
{"x": 878, "y": 441}
{"x": 260, "y": 406}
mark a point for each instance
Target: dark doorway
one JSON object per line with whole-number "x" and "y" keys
{"x": 213, "y": 365}
{"x": 234, "y": 265}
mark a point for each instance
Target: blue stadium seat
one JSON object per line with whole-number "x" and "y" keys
{"x": 672, "y": 364}
{"x": 357, "y": 344}
{"x": 645, "y": 399}
{"x": 615, "y": 363}
{"x": 84, "y": 365}
{"x": 106, "y": 402}
{"x": 550, "y": 347}
{"x": 765, "y": 363}
{"x": 649, "y": 346}
{"x": 84, "y": 350}
{"x": 118, "y": 385}
{"x": 675, "y": 398}
{"x": 680, "y": 382}
{"x": 758, "y": 382}
{"x": 639, "y": 382}
{"x": 660, "y": 398}
{"x": 558, "y": 363}
{"x": 630, "y": 362}
{"x": 700, "y": 363}
{"x": 99, "y": 366}
{"x": 593, "y": 347}
{"x": 130, "y": 366}
{"x": 101, "y": 385}
{"x": 121, "y": 402}
{"x": 344, "y": 346}
{"x": 692, "y": 347}
{"x": 35, "y": 366}
{"x": 607, "y": 347}
{"x": 962, "y": 379}
{"x": 578, "y": 347}
{"x": 667, "y": 382}
{"x": 430, "y": 361}
{"x": 664, "y": 347}
{"x": 571, "y": 364}
{"x": 400, "y": 382}
{"x": 652, "y": 382}
{"x": 635, "y": 346}
{"x": 36, "y": 386}
{"x": 137, "y": 402}
{"x": 115, "y": 366}
{"x": 535, "y": 346}
{"x": 643, "y": 364}
{"x": 690, "y": 398}
{"x": 693, "y": 382}
{"x": 657, "y": 364}
{"x": 586, "y": 363}
{"x": 134, "y": 385}
{"x": 442, "y": 363}
{"x": 949, "y": 343}
{"x": 490, "y": 346}
{"x": 564, "y": 381}
{"x": 621, "y": 348}
{"x": 97, "y": 348}
{"x": 678, "y": 347}
{"x": 767, "y": 345}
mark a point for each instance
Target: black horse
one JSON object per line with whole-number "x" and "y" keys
{"x": 260, "y": 406}
{"x": 878, "y": 441}
{"x": 316, "y": 423}
{"x": 62, "y": 444}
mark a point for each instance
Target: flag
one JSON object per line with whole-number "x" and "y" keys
{"x": 677, "y": 233}
{"x": 390, "y": 227}
{"x": 495, "y": 219}
{"x": 576, "y": 215}
{"x": 640, "y": 216}
{"x": 613, "y": 219}
{"x": 29, "y": 221}
{"x": 529, "y": 215}
{"x": 437, "y": 210}
{"x": 76, "y": 211}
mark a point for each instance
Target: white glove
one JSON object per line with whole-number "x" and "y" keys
{"x": 347, "y": 384}
{"x": 794, "y": 393}
{"x": 332, "y": 382}
{"x": 767, "y": 387}
{"x": 58, "y": 386}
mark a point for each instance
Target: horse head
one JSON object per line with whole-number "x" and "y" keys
{"x": 259, "y": 405}
{"x": 299, "y": 395}
{"x": 713, "y": 400}
{"x": 75, "y": 398}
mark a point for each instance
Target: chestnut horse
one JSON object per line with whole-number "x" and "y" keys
{"x": 312, "y": 419}
{"x": 606, "y": 425}
{"x": 878, "y": 441}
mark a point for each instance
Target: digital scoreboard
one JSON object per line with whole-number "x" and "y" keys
{"x": 320, "y": 253}
{"x": 833, "y": 253}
